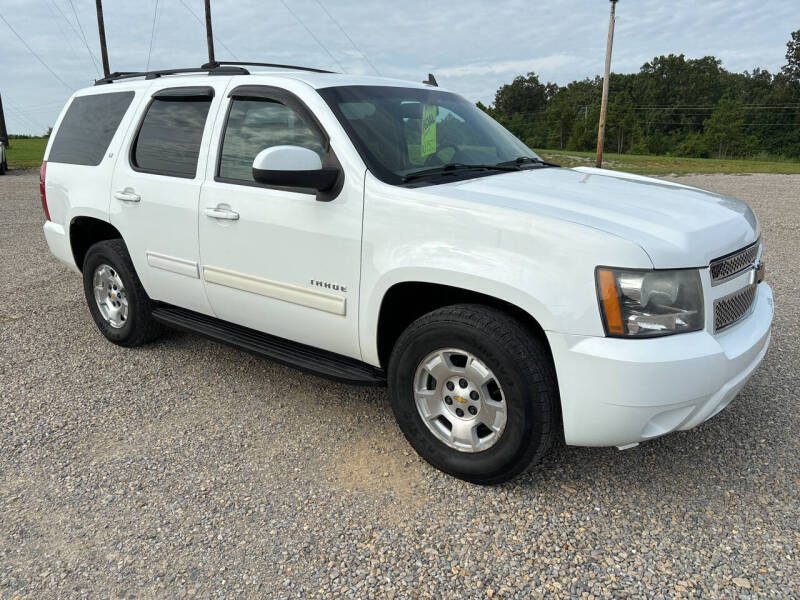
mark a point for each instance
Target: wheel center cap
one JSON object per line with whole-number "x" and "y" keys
{"x": 461, "y": 398}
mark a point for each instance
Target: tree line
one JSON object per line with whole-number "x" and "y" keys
{"x": 674, "y": 105}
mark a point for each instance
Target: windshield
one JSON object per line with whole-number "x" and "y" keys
{"x": 402, "y": 131}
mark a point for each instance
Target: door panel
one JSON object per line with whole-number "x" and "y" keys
{"x": 156, "y": 188}
{"x": 289, "y": 264}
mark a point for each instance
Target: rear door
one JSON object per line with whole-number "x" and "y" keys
{"x": 288, "y": 261}
{"x": 156, "y": 188}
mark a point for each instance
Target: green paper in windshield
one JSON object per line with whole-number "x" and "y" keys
{"x": 428, "y": 138}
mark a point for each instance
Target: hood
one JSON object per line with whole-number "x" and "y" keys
{"x": 677, "y": 225}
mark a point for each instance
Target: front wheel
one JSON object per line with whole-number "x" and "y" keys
{"x": 474, "y": 393}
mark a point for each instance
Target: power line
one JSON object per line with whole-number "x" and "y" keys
{"x": 152, "y": 35}
{"x": 216, "y": 39}
{"x": 335, "y": 22}
{"x": 39, "y": 58}
{"x": 57, "y": 22}
{"x": 75, "y": 31}
{"x": 83, "y": 36}
{"x": 709, "y": 107}
{"x": 311, "y": 33}
{"x": 32, "y": 122}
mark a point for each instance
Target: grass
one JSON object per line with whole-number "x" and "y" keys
{"x": 665, "y": 165}
{"x": 26, "y": 153}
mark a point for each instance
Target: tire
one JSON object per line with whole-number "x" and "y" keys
{"x": 110, "y": 263}
{"x": 521, "y": 368}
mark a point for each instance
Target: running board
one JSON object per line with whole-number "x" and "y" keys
{"x": 321, "y": 362}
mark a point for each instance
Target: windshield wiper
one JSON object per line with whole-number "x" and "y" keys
{"x": 453, "y": 167}
{"x": 529, "y": 160}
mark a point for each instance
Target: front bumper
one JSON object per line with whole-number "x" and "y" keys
{"x": 616, "y": 392}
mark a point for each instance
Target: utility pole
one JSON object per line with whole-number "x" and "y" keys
{"x": 601, "y": 130}
{"x": 102, "y": 30}
{"x": 209, "y": 34}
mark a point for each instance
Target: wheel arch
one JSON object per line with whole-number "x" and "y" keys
{"x": 406, "y": 301}
{"x": 84, "y": 232}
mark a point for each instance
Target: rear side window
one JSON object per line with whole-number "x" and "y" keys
{"x": 168, "y": 142}
{"x": 87, "y": 128}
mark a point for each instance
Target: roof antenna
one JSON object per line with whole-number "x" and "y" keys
{"x": 209, "y": 34}
{"x": 431, "y": 80}
{"x": 101, "y": 29}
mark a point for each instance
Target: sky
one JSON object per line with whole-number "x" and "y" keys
{"x": 471, "y": 46}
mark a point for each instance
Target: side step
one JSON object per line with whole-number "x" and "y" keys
{"x": 307, "y": 358}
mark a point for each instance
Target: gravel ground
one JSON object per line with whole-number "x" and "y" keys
{"x": 187, "y": 468}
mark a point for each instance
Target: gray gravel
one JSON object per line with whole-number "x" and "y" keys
{"x": 187, "y": 468}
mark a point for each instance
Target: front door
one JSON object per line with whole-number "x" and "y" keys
{"x": 156, "y": 188}
{"x": 274, "y": 259}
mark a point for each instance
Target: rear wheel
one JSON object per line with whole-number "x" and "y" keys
{"x": 474, "y": 393}
{"x": 118, "y": 303}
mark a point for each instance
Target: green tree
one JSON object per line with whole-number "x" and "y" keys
{"x": 723, "y": 129}
{"x": 525, "y": 95}
{"x": 561, "y": 113}
{"x": 621, "y": 121}
{"x": 792, "y": 67}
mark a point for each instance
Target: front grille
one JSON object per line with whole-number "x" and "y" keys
{"x": 729, "y": 309}
{"x": 728, "y": 266}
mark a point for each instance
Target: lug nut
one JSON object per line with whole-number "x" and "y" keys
{"x": 472, "y": 410}
{"x": 459, "y": 412}
{"x": 450, "y": 386}
{"x": 473, "y": 394}
{"x": 463, "y": 382}
{"x": 448, "y": 400}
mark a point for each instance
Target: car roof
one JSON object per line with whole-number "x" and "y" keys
{"x": 314, "y": 80}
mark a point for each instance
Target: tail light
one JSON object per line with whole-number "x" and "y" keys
{"x": 42, "y": 191}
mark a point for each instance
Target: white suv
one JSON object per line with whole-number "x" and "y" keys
{"x": 380, "y": 231}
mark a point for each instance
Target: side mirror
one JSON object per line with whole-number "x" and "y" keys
{"x": 293, "y": 166}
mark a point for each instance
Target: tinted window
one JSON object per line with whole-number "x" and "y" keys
{"x": 256, "y": 124}
{"x": 87, "y": 128}
{"x": 399, "y": 131}
{"x": 168, "y": 141}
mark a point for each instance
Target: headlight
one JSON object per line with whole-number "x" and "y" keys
{"x": 650, "y": 303}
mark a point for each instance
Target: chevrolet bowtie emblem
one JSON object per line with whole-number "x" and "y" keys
{"x": 460, "y": 399}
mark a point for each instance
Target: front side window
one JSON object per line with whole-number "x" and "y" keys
{"x": 87, "y": 128}
{"x": 400, "y": 131}
{"x": 255, "y": 124}
{"x": 168, "y": 142}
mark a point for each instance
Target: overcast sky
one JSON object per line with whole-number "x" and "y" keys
{"x": 472, "y": 46}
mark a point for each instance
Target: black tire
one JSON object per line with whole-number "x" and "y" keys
{"x": 522, "y": 365}
{"x": 3, "y": 167}
{"x": 139, "y": 327}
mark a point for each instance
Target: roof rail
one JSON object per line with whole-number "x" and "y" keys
{"x": 218, "y": 63}
{"x": 211, "y": 70}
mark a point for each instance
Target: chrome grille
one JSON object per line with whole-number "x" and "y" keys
{"x": 728, "y": 266}
{"x": 729, "y": 309}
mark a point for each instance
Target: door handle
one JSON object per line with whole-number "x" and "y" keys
{"x": 127, "y": 195}
{"x": 225, "y": 214}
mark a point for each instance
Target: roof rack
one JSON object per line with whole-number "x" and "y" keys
{"x": 211, "y": 70}
{"x": 218, "y": 63}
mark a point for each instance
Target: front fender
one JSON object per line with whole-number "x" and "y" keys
{"x": 542, "y": 265}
